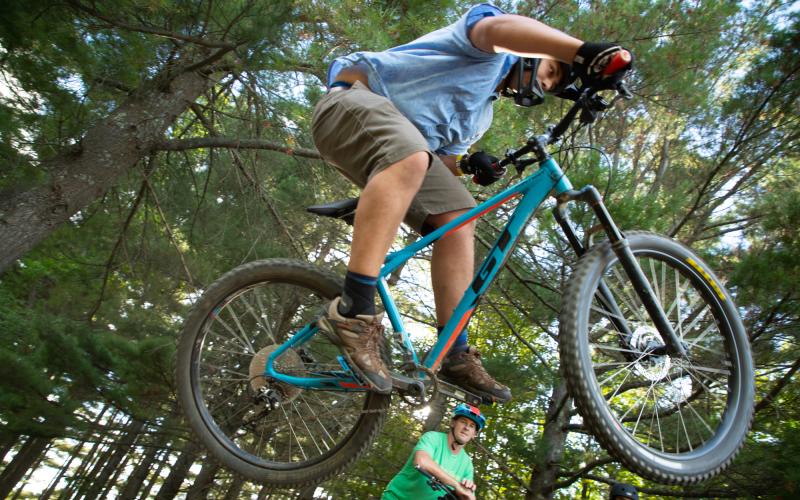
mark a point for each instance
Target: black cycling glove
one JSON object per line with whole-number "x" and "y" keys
{"x": 485, "y": 169}
{"x": 591, "y": 62}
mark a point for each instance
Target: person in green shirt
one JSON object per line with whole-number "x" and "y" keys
{"x": 443, "y": 456}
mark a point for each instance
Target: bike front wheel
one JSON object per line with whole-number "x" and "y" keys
{"x": 670, "y": 419}
{"x": 267, "y": 431}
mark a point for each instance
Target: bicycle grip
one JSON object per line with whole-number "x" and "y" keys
{"x": 619, "y": 61}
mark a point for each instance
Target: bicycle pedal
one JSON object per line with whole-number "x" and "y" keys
{"x": 455, "y": 392}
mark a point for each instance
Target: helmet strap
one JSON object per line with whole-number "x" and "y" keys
{"x": 528, "y": 93}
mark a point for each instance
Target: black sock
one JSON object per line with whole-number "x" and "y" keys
{"x": 358, "y": 296}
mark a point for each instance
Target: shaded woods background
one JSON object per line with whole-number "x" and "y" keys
{"x": 148, "y": 146}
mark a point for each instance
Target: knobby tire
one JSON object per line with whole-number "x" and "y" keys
{"x": 312, "y": 435}
{"x": 676, "y": 421}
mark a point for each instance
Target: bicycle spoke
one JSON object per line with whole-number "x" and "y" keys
{"x": 319, "y": 420}
{"x": 641, "y": 411}
{"x": 293, "y": 435}
{"x": 629, "y": 299}
{"x": 658, "y": 421}
{"x": 683, "y": 425}
{"x": 709, "y": 329}
{"x": 709, "y": 369}
{"x": 259, "y": 319}
{"x": 654, "y": 281}
{"x": 235, "y": 340}
{"x": 621, "y": 384}
{"x": 613, "y": 348}
{"x": 243, "y": 342}
{"x": 305, "y": 424}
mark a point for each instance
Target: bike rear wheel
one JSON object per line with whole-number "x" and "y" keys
{"x": 672, "y": 420}
{"x": 308, "y": 436}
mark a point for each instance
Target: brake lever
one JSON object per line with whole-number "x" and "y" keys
{"x": 622, "y": 93}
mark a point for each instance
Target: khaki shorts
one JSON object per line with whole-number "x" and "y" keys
{"x": 362, "y": 133}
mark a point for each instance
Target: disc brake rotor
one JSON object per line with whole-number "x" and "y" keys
{"x": 651, "y": 367}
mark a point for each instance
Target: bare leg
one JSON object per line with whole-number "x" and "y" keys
{"x": 381, "y": 208}
{"x": 452, "y": 264}
{"x": 452, "y": 269}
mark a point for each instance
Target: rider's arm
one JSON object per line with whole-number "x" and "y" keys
{"x": 523, "y": 36}
{"x": 423, "y": 460}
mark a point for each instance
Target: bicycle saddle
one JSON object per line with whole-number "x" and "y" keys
{"x": 340, "y": 209}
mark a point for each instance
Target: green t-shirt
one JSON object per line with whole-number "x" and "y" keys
{"x": 409, "y": 483}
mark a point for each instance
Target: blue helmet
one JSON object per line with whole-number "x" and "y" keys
{"x": 472, "y": 413}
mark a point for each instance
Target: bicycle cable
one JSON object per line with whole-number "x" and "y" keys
{"x": 572, "y": 146}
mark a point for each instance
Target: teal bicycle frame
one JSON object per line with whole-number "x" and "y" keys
{"x": 533, "y": 190}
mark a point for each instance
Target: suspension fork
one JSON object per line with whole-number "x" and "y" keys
{"x": 605, "y": 296}
{"x": 621, "y": 248}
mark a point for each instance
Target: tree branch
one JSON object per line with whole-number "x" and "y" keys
{"x": 778, "y": 387}
{"x": 110, "y": 262}
{"x": 152, "y": 31}
{"x": 170, "y": 233}
{"x": 234, "y": 143}
{"x": 577, "y": 475}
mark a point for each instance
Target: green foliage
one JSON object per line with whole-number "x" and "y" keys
{"x": 707, "y": 150}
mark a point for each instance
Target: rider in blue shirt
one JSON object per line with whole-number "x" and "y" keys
{"x": 396, "y": 123}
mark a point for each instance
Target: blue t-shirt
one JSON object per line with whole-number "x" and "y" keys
{"x": 441, "y": 82}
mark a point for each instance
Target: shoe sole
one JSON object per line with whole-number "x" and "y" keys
{"x": 488, "y": 398}
{"x": 329, "y": 330}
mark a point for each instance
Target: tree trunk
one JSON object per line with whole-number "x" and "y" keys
{"x": 234, "y": 488}
{"x": 545, "y": 473}
{"x": 112, "y": 463}
{"x": 62, "y": 471}
{"x": 27, "y": 455}
{"x": 203, "y": 482}
{"x": 107, "y": 150}
{"x": 74, "y": 482}
{"x": 88, "y": 480}
{"x": 139, "y": 474}
{"x": 162, "y": 461}
{"x": 7, "y": 442}
{"x": 307, "y": 492}
{"x": 663, "y": 163}
{"x": 172, "y": 484}
{"x": 114, "y": 480}
{"x": 31, "y": 470}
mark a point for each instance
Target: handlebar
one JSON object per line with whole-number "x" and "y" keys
{"x": 437, "y": 485}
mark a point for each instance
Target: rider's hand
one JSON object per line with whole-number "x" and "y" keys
{"x": 592, "y": 60}
{"x": 466, "y": 483}
{"x": 464, "y": 493}
{"x": 485, "y": 169}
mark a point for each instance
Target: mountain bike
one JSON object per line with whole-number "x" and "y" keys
{"x": 650, "y": 342}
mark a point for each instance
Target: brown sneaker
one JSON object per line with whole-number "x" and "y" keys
{"x": 359, "y": 339}
{"x": 466, "y": 370}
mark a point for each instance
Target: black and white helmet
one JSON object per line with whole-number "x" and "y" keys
{"x": 530, "y": 93}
